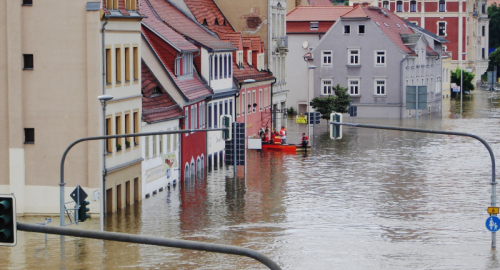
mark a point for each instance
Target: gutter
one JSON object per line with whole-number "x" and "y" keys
{"x": 401, "y": 85}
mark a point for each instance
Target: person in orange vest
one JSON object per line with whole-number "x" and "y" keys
{"x": 283, "y": 135}
{"x": 277, "y": 139}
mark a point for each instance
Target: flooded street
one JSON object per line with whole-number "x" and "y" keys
{"x": 376, "y": 199}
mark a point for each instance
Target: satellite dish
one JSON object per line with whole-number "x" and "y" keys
{"x": 305, "y": 44}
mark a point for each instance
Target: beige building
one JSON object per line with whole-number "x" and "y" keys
{"x": 51, "y": 73}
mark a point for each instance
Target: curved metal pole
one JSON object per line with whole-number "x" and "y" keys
{"x": 492, "y": 156}
{"x": 62, "y": 184}
{"x": 148, "y": 240}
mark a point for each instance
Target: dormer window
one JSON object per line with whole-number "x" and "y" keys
{"x": 249, "y": 57}
{"x": 205, "y": 22}
{"x": 130, "y": 5}
{"x": 156, "y": 92}
{"x": 111, "y": 4}
{"x": 314, "y": 26}
{"x": 239, "y": 58}
{"x": 187, "y": 64}
{"x": 216, "y": 22}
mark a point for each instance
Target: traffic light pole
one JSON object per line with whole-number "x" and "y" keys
{"x": 148, "y": 240}
{"x": 493, "y": 182}
{"x": 62, "y": 183}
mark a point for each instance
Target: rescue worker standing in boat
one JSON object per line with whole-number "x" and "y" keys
{"x": 305, "y": 140}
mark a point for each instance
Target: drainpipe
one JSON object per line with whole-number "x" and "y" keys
{"x": 401, "y": 85}
{"x": 272, "y": 105}
{"x": 104, "y": 150}
{"x": 176, "y": 72}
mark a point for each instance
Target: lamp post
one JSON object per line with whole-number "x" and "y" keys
{"x": 311, "y": 82}
{"x": 104, "y": 101}
{"x": 247, "y": 81}
{"x": 461, "y": 82}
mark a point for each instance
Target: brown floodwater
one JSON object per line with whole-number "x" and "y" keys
{"x": 376, "y": 199}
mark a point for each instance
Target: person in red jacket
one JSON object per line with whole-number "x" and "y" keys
{"x": 305, "y": 140}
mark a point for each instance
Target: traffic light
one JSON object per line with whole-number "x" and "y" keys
{"x": 8, "y": 224}
{"x": 226, "y": 123}
{"x": 335, "y": 130}
{"x": 82, "y": 211}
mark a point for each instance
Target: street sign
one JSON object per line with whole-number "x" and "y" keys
{"x": 493, "y": 223}
{"x": 78, "y": 191}
{"x": 493, "y": 210}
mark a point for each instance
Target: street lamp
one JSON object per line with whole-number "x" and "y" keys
{"x": 461, "y": 82}
{"x": 104, "y": 101}
{"x": 247, "y": 81}
{"x": 311, "y": 82}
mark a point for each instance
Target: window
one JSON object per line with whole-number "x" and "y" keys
{"x": 399, "y": 6}
{"x": 28, "y": 61}
{"x": 230, "y": 66}
{"x": 160, "y": 143}
{"x": 314, "y": 25}
{"x": 413, "y": 6}
{"x": 175, "y": 140}
{"x": 118, "y": 131}
{"x": 108, "y": 67}
{"x": 187, "y": 64}
{"x": 216, "y": 67}
{"x": 136, "y": 127}
{"x": 483, "y": 30}
{"x": 231, "y": 107}
{"x": 442, "y": 29}
{"x": 361, "y": 29}
{"x": 136, "y": 63}
{"x": 130, "y": 4}
{"x": 254, "y": 101}
{"x": 380, "y": 87}
{"x": 483, "y": 8}
{"x": 127, "y": 130}
{"x": 225, "y": 66}
{"x": 483, "y": 53}
{"x": 225, "y": 107}
{"x": 109, "y": 131}
{"x": 154, "y": 145}
{"x": 127, "y": 64}
{"x": 249, "y": 57}
{"x": 215, "y": 115}
{"x": 347, "y": 29}
{"x": 442, "y": 5}
{"x": 243, "y": 101}
{"x": 326, "y": 86}
{"x": 209, "y": 115}
{"x": 220, "y": 66}
{"x": 353, "y": 57}
{"x": 112, "y": 4}
{"x": 147, "y": 147}
{"x": 27, "y": 2}
{"x": 353, "y": 87}
{"x": 220, "y": 109}
{"x": 169, "y": 141}
{"x": 379, "y": 58}
{"x": 260, "y": 100}
{"x": 118, "y": 63}
{"x": 385, "y": 4}
{"x": 326, "y": 57}
{"x": 186, "y": 173}
{"x": 29, "y": 135}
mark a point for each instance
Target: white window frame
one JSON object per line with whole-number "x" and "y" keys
{"x": 314, "y": 26}
{"x": 445, "y": 28}
{"x": 356, "y": 55}
{"x": 351, "y": 86}
{"x": 344, "y": 28}
{"x": 383, "y": 87}
{"x": 382, "y": 58}
{"x": 328, "y": 54}
{"x": 261, "y": 102}
{"x": 326, "y": 84}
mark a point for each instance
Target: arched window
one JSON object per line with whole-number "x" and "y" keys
{"x": 442, "y": 5}
{"x": 193, "y": 175}
{"x": 198, "y": 168}
{"x": 186, "y": 173}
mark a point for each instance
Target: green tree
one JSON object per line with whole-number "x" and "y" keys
{"x": 468, "y": 78}
{"x": 494, "y": 60}
{"x": 494, "y": 27}
{"x": 338, "y": 103}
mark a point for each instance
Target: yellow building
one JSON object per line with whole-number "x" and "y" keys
{"x": 51, "y": 73}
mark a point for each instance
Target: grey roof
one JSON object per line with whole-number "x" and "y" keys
{"x": 426, "y": 32}
{"x": 410, "y": 38}
{"x": 93, "y": 6}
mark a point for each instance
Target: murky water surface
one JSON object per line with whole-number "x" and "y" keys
{"x": 376, "y": 199}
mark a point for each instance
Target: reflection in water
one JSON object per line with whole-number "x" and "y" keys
{"x": 376, "y": 199}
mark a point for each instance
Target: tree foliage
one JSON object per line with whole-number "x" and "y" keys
{"x": 468, "y": 79}
{"x": 494, "y": 60}
{"x": 338, "y": 103}
{"x": 494, "y": 27}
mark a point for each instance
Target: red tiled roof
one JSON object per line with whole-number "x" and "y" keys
{"x": 156, "y": 108}
{"x": 248, "y": 72}
{"x": 192, "y": 88}
{"x": 154, "y": 24}
{"x": 320, "y": 3}
{"x": 357, "y": 12}
{"x": 234, "y": 38}
{"x": 183, "y": 25}
{"x": 207, "y": 11}
{"x": 316, "y": 13}
{"x": 389, "y": 25}
{"x": 431, "y": 52}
